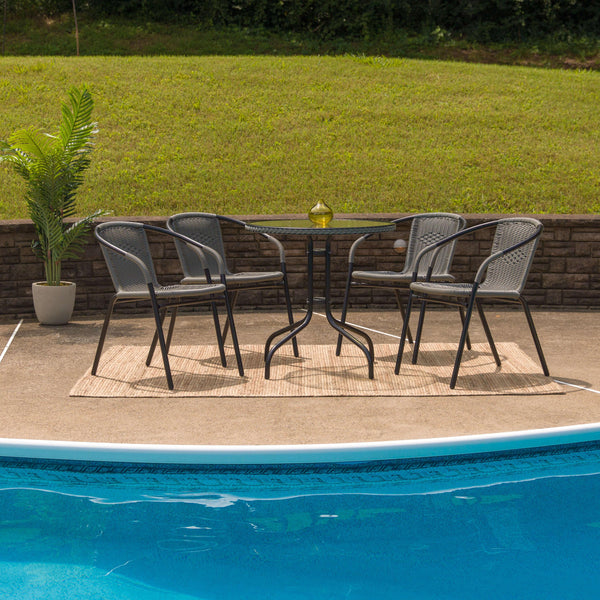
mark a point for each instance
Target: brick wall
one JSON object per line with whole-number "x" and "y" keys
{"x": 565, "y": 273}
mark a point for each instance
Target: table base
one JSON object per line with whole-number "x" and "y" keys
{"x": 291, "y": 331}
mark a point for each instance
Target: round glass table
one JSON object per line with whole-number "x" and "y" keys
{"x": 308, "y": 230}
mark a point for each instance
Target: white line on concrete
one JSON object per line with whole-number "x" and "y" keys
{"x": 579, "y": 387}
{"x": 398, "y": 337}
{"x": 12, "y": 337}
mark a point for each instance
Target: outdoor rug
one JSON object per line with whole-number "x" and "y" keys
{"x": 197, "y": 371}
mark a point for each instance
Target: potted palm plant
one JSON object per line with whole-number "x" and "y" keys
{"x": 53, "y": 168}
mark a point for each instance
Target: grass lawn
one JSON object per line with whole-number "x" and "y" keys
{"x": 271, "y": 134}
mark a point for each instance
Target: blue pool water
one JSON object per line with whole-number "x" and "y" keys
{"x": 515, "y": 525}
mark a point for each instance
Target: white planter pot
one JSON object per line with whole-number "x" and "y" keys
{"x": 53, "y": 303}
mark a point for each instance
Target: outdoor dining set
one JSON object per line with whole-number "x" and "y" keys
{"x": 426, "y": 276}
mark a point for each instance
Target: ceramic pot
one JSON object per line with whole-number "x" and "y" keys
{"x": 53, "y": 304}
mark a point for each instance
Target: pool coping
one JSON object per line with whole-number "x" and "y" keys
{"x": 298, "y": 453}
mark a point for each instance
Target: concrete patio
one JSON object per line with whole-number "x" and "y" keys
{"x": 42, "y": 363}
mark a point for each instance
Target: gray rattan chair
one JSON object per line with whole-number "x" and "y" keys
{"x": 501, "y": 277}
{"x": 127, "y": 254}
{"x": 426, "y": 229}
{"x": 206, "y": 229}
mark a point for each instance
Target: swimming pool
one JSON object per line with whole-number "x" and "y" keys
{"x": 509, "y": 523}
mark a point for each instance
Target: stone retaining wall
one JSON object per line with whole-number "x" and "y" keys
{"x": 565, "y": 273}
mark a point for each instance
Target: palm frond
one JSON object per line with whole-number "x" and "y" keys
{"x": 32, "y": 142}
{"x": 19, "y": 160}
{"x": 77, "y": 128}
{"x": 27, "y": 147}
{"x": 49, "y": 228}
{"x": 53, "y": 168}
{"x": 74, "y": 237}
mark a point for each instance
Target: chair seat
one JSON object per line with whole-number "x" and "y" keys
{"x": 243, "y": 278}
{"x": 460, "y": 290}
{"x": 394, "y": 276}
{"x": 173, "y": 291}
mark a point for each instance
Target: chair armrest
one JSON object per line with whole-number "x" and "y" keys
{"x": 355, "y": 246}
{"x": 278, "y": 244}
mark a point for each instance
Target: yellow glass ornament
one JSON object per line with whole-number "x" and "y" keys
{"x": 320, "y": 214}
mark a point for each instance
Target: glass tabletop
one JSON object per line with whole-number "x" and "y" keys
{"x": 307, "y": 227}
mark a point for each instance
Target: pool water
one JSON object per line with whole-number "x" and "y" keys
{"x": 505, "y": 526}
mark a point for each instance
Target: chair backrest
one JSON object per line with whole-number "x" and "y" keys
{"x": 204, "y": 228}
{"x": 509, "y": 272}
{"x": 132, "y": 238}
{"x": 427, "y": 229}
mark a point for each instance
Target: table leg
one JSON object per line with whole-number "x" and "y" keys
{"x": 294, "y": 328}
{"x": 348, "y": 331}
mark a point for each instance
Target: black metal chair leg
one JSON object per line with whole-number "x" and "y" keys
{"x": 161, "y": 338}
{"x": 488, "y": 333}
{"x": 100, "y": 346}
{"x": 536, "y": 340}
{"x": 403, "y": 314}
{"x": 151, "y": 350}
{"x": 461, "y": 311}
{"x": 417, "y": 345}
{"x": 171, "y": 327}
{"x": 234, "y": 338}
{"x": 463, "y": 339}
{"x": 232, "y": 300}
{"x": 220, "y": 336}
{"x": 403, "y": 334}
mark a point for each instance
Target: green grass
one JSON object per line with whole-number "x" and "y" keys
{"x": 271, "y": 134}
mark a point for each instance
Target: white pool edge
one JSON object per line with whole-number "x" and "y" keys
{"x": 297, "y": 453}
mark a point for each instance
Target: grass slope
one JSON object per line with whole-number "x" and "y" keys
{"x": 260, "y": 134}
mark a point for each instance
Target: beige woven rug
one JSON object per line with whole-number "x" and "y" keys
{"x": 197, "y": 371}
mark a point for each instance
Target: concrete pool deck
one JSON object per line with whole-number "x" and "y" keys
{"x": 42, "y": 363}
